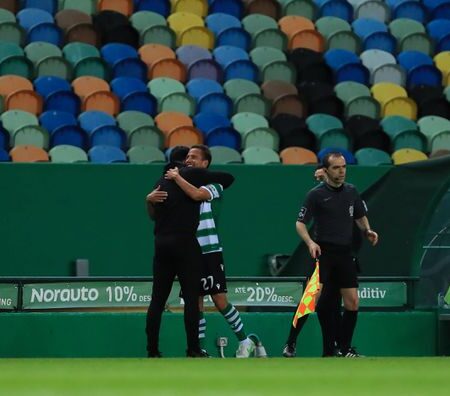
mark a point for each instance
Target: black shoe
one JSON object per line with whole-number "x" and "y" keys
{"x": 197, "y": 354}
{"x": 350, "y": 353}
{"x": 289, "y": 351}
{"x": 154, "y": 354}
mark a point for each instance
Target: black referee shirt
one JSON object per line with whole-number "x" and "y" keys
{"x": 333, "y": 211}
{"x": 179, "y": 214}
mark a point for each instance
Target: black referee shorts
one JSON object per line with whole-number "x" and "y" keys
{"x": 338, "y": 266}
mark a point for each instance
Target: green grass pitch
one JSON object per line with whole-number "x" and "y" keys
{"x": 273, "y": 376}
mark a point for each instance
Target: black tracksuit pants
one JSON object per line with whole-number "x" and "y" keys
{"x": 175, "y": 255}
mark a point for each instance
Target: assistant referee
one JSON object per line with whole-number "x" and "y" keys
{"x": 334, "y": 206}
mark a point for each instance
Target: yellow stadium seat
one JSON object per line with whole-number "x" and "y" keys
{"x": 403, "y": 156}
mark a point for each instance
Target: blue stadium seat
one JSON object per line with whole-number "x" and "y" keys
{"x": 72, "y": 135}
{"x": 424, "y": 75}
{"x": 29, "y": 17}
{"x": 54, "y": 119}
{"x": 232, "y": 7}
{"x": 115, "y": 52}
{"x": 353, "y": 72}
{"x": 188, "y": 54}
{"x": 349, "y": 157}
{"x": 216, "y": 103}
{"x": 106, "y": 154}
{"x": 47, "y": 32}
{"x": 134, "y": 95}
{"x": 411, "y": 59}
{"x": 161, "y": 7}
{"x": 198, "y": 87}
{"x": 244, "y": 69}
{"x": 336, "y": 8}
{"x": 4, "y": 139}
{"x": 64, "y": 101}
{"x": 46, "y": 85}
{"x": 364, "y": 27}
{"x": 223, "y": 136}
{"x": 438, "y": 28}
{"x": 441, "y": 11}
{"x": 336, "y": 58}
{"x": 225, "y": 54}
{"x": 207, "y": 121}
{"x": 236, "y": 36}
{"x": 410, "y": 9}
{"x": 4, "y": 156}
{"x": 384, "y": 41}
{"x": 89, "y": 120}
{"x": 108, "y": 135}
{"x": 443, "y": 44}
{"x": 51, "y": 6}
{"x": 218, "y": 22}
{"x": 130, "y": 67}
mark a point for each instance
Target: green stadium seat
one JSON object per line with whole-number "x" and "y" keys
{"x": 261, "y": 137}
{"x": 146, "y": 135}
{"x": 145, "y": 155}
{"x": 344, "y": 39}
{"x": 260, "y": 156}
{"x": 65, "y": 153}
{"x": 328, "y": 25}
{"x": 86, "y": 6}
{"x": 158, "y": 34}
{"x": 237, "y": 87}
{"x": 272, "y": 37}
{"x": 244, "y": 122}
{"x": 372, "y": 157}
{"x": 305, "y": 8}
{"x": 142, "y": 20}
{"x": 180, "y": 102}
{"x": 6, "y": 16}
{"x": 224, "y": 155}
{"x": 262, "y": 56}
{"x": 404, "y": 133}
{"x": 129, "y": 120}
{"x": 31, "y": 135}
{"x": 40, "y": 50}
{"x": 163, "y": 86}
{"x": 279, "y": 70}
{"x": 13, "y": 120}
{"x": 12, "y": 32}
{"x": 253, "y": 23}
{"x": 252, "y": 103}
{"x": 437, "y": 130}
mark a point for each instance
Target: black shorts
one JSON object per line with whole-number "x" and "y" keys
{"x": 213, "y": 274}
{"x": 338, "y": 267}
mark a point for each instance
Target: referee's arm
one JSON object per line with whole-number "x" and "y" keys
{"x": 364, "y": 226}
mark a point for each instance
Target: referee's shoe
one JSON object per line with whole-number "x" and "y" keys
{"x": 349, "y": 353}
{"x": 197, "y": 354}
{"x": 289, "y": 351}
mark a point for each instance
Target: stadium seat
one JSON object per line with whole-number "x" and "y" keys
{"x": 179, "y": 102}
{"x": 297, "y": 156}
{"x": 171, "y": 68}
{"x": 223, "y": 136}
{"x": 12, "y": 83}
{"x": 293, "y": 131}
{"x": 71, "y": 135}
{"x": 106, "y": 155}
{"x": 124, "y": 7}
{"x": 184, "y": 136}
{"x": 11, "y": 32}
{"x": 163, "y": 86}
{"x": 437, "y": 131}
{"x": 52, "y": 120}
{"x": 4, "y": 155}
{"x": 28, "y": 17}
{"x": 188, "y": 54}
{"x": 145, "y": 155}
{"x": 28, "y": 153}
{"x": 145, "y": 135}
{"x": 224, "y": 155}
{"x": 372, "y": 157}
{"x": 403, "y": 133}
{"x": 169, "y": 120}
{"x": 206, "y": 122}
{"x": 374, "y": 9}
{"x": 130, "y": 119}
{"x": 67, "y": 18}
{"x": 86, "y": 85}
{"x": 89, "y": 120}
{"x": 142, "y": 20}
{"x": 338, "y": 8}
{"x": 108, "y": 135}
{"x": 244, "y": 122}
{"x": 259, "y": 156}
{"x": 47, "y": 32}
{"x": 24, "y": 99}
{"x": 232, "y": 7}
{"x": 205, "y": 68}
{"x": 218, "y": 22}
{"x": 63, "y": 100}
{"x": 366, "y": 132}
{"x": 409, "y": 9}
{"x": 305, "y": 8}
{"x": 236, "y": 36}
{"x": 32, "y": 135}
{"x": 289, "y": 104}
{"x": 199, "y": 87}
{"x": 261, "y": 137}
{"x": 161, "y": 7}
{"x": 159, "y": 34}
{"x": 407, "y": 155}
{"x": 67, "y": 154}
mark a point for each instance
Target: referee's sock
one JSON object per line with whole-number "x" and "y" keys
{"x": 202, "y": 330}
{"x": 231, "y": 314}
{"x": 348, "y": 326}
{"x": 295, "y": 331}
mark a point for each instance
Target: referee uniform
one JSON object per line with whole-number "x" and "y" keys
{"x": 177, "y": 253}
{"x": 334, "y": 210}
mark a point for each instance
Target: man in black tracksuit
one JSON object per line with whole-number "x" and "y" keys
{"x": 334, "y": 206}
{"x": 177, "y": 252}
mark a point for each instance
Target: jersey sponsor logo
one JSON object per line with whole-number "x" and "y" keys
{"x": 327, "y": 199}
{"x": 351, "y": 210}
{"x": 302, "y": 213}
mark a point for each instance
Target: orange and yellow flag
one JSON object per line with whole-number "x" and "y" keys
{"x": 307, "y": 303}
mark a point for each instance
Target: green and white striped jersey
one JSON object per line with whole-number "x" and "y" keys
{"x": 207, "y": 235}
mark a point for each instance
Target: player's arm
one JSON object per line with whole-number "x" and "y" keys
{"x": 156, "y": 196}
{"x": 304, "y": 217}
{"x": 364, "y": 226}
{"x": 195, "y": 193}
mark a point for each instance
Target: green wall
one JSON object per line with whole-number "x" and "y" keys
{"x": 103, "y": 334}
{"x": 52, "y": 214}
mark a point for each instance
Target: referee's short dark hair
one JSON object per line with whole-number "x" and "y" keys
{"x": 326, "y": 158}
{"x": 206, "y": 152}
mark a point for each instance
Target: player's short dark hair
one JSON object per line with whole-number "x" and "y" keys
{"x": 206, "y": 152}
{"x": 326, "y": 158}
{"x": 178, "y": 154}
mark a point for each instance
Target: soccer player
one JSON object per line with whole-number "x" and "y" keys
{"x": 177, "y": 252}
{"x": 334, "y": 205}
{"x": 213, "y": 281}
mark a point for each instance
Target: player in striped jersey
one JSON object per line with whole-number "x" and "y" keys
{"x": 213, "y": 281}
